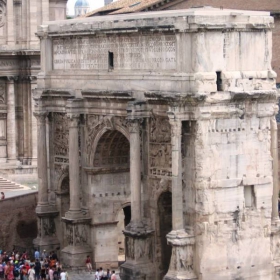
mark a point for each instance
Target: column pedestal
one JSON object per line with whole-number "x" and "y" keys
{"x": 77, "y": 238}
{"x": 139, "y": 253}
{"x": 181, "y": 263}
{"x": 47, "y": 236}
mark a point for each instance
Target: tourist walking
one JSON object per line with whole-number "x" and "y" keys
{"x": 2, "y": 196}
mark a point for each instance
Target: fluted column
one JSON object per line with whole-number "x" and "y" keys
{"x": 177, "y": 191}
{"x": 11, "y": 121}
{"x": 33, "y": 123}
{"x": 42, "y": 161}
{"x": 135, "y": 170}
{"x": 74, "y": 168}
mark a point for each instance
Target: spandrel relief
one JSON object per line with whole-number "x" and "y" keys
{"x": 61, "y": 134}
{"x": 160, "y": 147}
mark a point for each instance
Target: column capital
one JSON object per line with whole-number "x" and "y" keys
{"x": 40, "y": 116}
{"x": 73, "y": 120}
{"x": 134, "y": 125}
{"x": 11, "y": 79}
{"x": 176, "y": 127}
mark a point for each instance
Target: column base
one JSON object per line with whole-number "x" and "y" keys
{"x": 181, "y": 264}
{"x": 46, "y": 243}
{"x": 139, "y": 253}
{"x": 76, "y": 215}
{"x": 77, "y": 240}
{"x": 74, "y": 256}
{"x": 47, "y": 234}
{"x": 134, "y": 271}
{"x": 45, "y": 209}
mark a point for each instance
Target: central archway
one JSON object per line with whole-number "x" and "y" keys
{"x": 165, "y": 226}
{"x": 109, "y": 184}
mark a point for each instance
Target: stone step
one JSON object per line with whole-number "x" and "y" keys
{"x": 8, "y": 185}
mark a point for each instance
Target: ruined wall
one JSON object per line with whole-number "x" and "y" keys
{"x": 18, "y": 224}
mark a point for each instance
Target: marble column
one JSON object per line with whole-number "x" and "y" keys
{"x": 11, "y": 122}
{"x": 182, "y": 242}
{"x": 135, "y": 170}
{"x": 74, "y": 168}
{"x": 138, "y": 235}
{"x": 177, "y": 191}
{"x": 77, "y": 223}
{"x": 33, "y": 81}
{"x": 42, "y": 162}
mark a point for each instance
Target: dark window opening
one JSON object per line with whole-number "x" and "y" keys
{"x": 127, "y": 215}
{"x": 111, "y": 60}
{"x": 219, "y": 81}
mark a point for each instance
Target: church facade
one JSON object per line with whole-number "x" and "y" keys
{"x": 167, "y": 120}
{"x": 19, "y": 66}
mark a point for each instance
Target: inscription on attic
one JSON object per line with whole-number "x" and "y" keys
{"x": 141, "y": 52}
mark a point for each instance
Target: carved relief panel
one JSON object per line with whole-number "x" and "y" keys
{"x": 2, "y": 92}
{"x": 60, "y": 146}
{"x": 61, "y": 135}
{"x": 77, "y": 234}
{"x": 160, "y": 147}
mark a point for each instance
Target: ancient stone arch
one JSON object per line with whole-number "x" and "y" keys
{"x": 97, "y": 126}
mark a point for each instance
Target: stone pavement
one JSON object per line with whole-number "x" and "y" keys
{"x": 83, "y": 275}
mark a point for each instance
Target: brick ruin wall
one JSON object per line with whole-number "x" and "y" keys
{"x": 18, "y": 225}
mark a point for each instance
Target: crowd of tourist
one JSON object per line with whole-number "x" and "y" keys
{"x": 42, "y": 266}
{"x": 21, "y": 266}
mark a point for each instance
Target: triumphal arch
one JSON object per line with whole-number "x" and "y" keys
{"x": 160, "y": 125}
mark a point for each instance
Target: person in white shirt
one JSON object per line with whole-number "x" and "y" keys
{"x": 64, "y": 275}
{"x": 31, "y": 273}
{"x": 101, "y": 273}
{"x": 97, "y": 275}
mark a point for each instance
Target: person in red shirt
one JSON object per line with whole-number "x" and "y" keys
{"x": 88, "y": 264}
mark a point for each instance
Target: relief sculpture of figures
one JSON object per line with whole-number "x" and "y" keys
{"x": 2, "y": 92}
